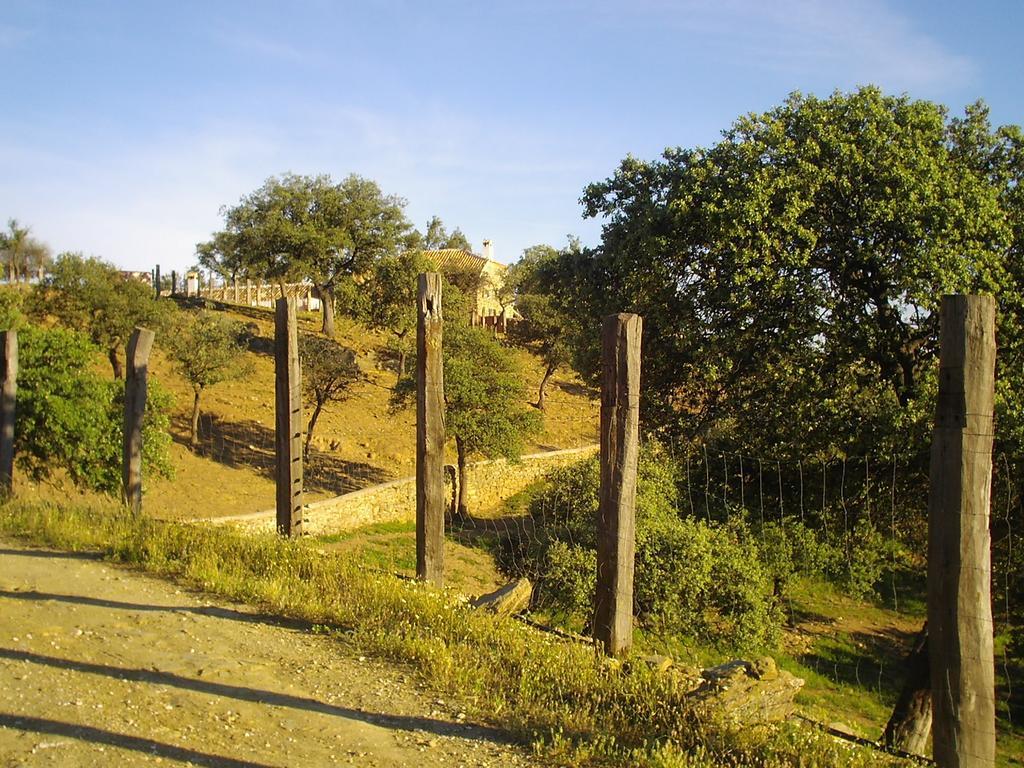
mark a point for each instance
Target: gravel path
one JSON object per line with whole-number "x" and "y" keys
{"x": 102, "y": 666}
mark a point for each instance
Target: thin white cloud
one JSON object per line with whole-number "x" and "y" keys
{"x": 250, "y": 44}
{"x": 857, "y": 41}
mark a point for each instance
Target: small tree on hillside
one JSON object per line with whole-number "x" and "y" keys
{"x": 328, "y": 372}
{"x": 544, "y": 328}
{"x": 485, "y": 403}
{"x": 386, "y": 299}
{"x": 93, "y": 296}
{"x": 484, "y": 400}
{"x": 207, "y": 349}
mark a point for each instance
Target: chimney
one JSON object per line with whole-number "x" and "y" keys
{"x": 488, "y": 250}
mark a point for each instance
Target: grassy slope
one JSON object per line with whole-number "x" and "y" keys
{"x": 576, "y": 707}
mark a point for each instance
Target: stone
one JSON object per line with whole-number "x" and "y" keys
{"x": 513, "y": 598}
{"x": 748, "y": 693}
{"x": 658, "y": 663}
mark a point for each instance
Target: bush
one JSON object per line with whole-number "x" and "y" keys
{"x": 791, "y": 549}
{"x": 860, "y": 557}
{"x": 693, "y": 579}
{"x": 11, "y": 316}
{"x": 70, "y": 418}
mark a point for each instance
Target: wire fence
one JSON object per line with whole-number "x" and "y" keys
{"x": 852, "y": 617}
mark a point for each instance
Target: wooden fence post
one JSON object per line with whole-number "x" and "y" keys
{"x": 9, "y": 390}
{"x": 620, "y": 438}
{"x": 174, "y": 283}
{"x": 156, "y": 281}
{"x": 429, "y": 432}
{"x": 139, "y": 347}
{"x": 288, "y": 432}
{"x": 959, "y": 549}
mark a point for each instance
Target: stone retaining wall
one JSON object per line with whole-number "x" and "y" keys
{"x": 490, "y": 484}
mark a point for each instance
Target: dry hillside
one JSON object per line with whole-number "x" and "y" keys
{"x": 357, "y": 443}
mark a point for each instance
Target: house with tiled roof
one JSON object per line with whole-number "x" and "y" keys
{"x": 481, "y": 276}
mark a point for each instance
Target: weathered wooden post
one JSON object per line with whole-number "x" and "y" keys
{"x": 156, "y": 281}
{"x": 9, "y": 390}
{"x": 288, "y": 431}
{"x": 139, "y": 346}
{"x": 620, "y": 438}
{"x": 174, "y": 283}
{"x": 429, "y": 432}
{"x": 959, "y": 549}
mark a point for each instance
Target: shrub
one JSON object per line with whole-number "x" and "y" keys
{"x": 693, "y": 579}
{"x": 70, "y": 418}
{"x": 859, "y": 558}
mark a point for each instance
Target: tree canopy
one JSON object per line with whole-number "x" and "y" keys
{"x": 485, "y": 408}
{"x": 22, "y": 255}
{"x": 206, "y": 349}
{"x": 543, "y": 327}
{"x": 436, "y": 237}
{"x": 328, "y": 372}
{"x": 90, "y": 295}
{"x": 68, "y": 417}
{"x": 789, "y": 275}
{"x": 296, "y": 227}
{"x": 385, "y": 299}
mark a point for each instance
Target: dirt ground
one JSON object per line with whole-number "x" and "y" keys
{"x": 102, "y": 666}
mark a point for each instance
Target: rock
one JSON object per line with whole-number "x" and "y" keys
{"x": 510, "y": 599}
{"x": 658, "y": 663}
{"x": 748, "y": 693}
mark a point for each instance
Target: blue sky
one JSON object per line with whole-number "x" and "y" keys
{"x": 127, "y": 125}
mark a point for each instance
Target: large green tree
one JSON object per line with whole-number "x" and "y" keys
{"x": 789, "y": 275}
{"x": 296, "y": 227}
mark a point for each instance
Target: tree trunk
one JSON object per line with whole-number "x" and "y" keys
{"x": 402, "y": 354}
{"x": 280, "y": 285}
{"x": 310, "y": 427}
{"x": 911, "y": 721}
{"x": 193, "y": 441}
{"x": 462, "y": 508}
{"x": 115, "y": 362}
{"x": 327, "y": 306}
{"x": 542, "y": 395}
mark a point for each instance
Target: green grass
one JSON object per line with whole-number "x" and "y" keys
{"x": 576, "y": 708}
{"x": 387, "y": 546}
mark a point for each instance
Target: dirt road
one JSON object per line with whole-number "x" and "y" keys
{"x": 102, "y": 666}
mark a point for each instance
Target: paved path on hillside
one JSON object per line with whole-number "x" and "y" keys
{"x": 102, "y": 666}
